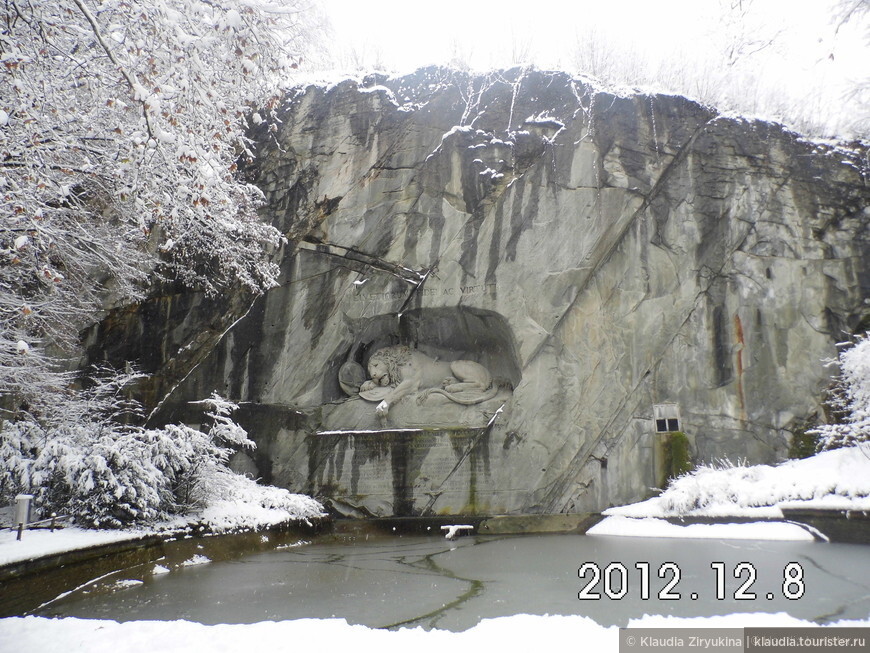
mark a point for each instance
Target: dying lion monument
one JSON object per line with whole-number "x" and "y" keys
{"x": 397, "y": 371}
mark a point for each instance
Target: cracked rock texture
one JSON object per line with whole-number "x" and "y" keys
{"x": 600, "y": 254}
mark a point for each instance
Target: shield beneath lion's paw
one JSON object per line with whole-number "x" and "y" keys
{"x": 351, "y": 376}
{"x": 375, "y": 394}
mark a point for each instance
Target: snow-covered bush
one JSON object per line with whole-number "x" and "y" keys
{"x": 191, "y": 459}
{"x": 110, "y": 475}
{"x": 729, "y": 484}
{"x": 833, "y": 479}
{"x": 851, "y": 398}
{"x": 236, "y": 502}
{"x": 102, "y": 476}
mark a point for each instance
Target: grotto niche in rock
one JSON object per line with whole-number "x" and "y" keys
{"x": 444, "y": 367}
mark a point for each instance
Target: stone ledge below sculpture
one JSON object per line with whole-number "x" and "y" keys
{"x": 357, "y": 414}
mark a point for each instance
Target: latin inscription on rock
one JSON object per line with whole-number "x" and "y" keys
{"x": 489, "y": 289}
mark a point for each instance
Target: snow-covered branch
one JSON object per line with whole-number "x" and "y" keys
{"x": 850, "y": 399}
{"x": 121, "y": 125}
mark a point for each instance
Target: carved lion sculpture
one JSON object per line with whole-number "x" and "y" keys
{"x": 399, "y": 370}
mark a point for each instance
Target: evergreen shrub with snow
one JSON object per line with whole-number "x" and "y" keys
{"x": 109, "y": 475}
{"x": 851, "y": 398}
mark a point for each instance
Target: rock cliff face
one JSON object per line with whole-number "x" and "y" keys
{"x": 595, "y": 255}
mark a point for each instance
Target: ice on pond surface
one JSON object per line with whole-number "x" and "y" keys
{"x": 382, "y": 581}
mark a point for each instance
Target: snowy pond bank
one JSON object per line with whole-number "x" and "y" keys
{"x": 45, "y": 564}
{"x": 824, "y": 497}
{"x": 73, "y": 559}
{"x": 519, "y": 633}
{"x": 249, "y": 507}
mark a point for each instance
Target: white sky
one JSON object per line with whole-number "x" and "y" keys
{"x": 407, "y": 34}
{"x": 402, "y": 35}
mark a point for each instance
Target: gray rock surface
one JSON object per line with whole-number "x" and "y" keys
{"x": 599, "y": 254}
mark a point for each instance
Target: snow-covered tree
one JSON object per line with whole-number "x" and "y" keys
{"x": 739, "y": 61}
{"x": 850, "y": 398}
{"x": 857, "y": 11}
{"x": 122, "y": 123}
{"x": 121, "y": 126}
{"x": 106, "y": 474}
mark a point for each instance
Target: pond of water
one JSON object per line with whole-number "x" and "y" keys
{"x": 392, "y": 581}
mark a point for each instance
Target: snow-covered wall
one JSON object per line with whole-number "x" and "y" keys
{"x": 599, "y": 254}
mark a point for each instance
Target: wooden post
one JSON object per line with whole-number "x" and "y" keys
{"x": 20, "y": 530}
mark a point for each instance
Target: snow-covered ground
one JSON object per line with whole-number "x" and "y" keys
{"x": 38, "y": 543}
{"x": 838, "y": 479}
{"x": 254, "y": 507}
{"x": 516, "y": 633}
{"x": 653, "y": 527}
